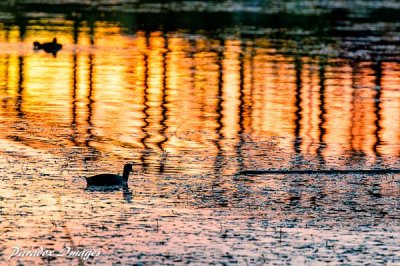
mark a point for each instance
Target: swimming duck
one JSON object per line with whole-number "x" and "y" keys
{"x": 105, "y": 180}
{"x": 49, "y": 47}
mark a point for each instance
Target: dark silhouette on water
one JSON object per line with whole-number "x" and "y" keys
{"x": 328, "y": 172}
{"x": 107, "y": 180}
{"x": 49, "y": 47}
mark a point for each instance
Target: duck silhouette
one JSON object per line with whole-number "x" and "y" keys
{"x": 110, "y": 180}
{"x": 49, "y": 47}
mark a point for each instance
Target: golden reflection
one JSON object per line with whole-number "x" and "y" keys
{"x": 206, "y": 77}
{"x": 155, "y": 93}
{"x": 310, "y": 108}
{"x": 390, "y": 108}
{"x": 339, "y": 110}
{"x": 363, "y": 111}
{"x": 274, "y": 97}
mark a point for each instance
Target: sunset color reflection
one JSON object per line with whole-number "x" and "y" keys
{"x": 154, "y": 92}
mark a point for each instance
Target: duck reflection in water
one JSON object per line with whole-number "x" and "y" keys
{"x": 49, "y": 47}
{"x": 111, "y": 182}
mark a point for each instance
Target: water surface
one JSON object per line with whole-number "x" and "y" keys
{"x": 190, "y": 108}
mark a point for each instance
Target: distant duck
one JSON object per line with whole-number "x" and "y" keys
{"x": 49, "y": 47}
{"x": 108, "y": 180}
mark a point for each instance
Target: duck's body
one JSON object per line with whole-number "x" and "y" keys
{"x": 49, "y": 47}
{"x": 106, "y": 180}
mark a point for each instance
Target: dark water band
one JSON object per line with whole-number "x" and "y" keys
{"x": 329, "y": 172}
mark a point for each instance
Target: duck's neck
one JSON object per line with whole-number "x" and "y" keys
{"x": 126, "y": 173}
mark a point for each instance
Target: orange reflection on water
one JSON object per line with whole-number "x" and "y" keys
{"x": 390, "y": 109}
{"x": 155, "y": 92}
{"x": 363, "y": 110}
{"x": 274, "y": 97}
{"x": 231, "y": 67}
{"x": 310, "y": 95}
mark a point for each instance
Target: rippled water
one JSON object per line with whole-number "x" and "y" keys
{"x": 190, "y": 109}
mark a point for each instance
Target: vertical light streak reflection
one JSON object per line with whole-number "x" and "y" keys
{"x": 298, "y": 103}
{"x": 321, "y": 125}
{"x": 20, "y": 99}
{"x": 146, "y": 123}
{"x": 164, "y": 111}
{"x": 377, "y": 67}
{"x": 241, "y": 107}
{"x": 219, "y": 158}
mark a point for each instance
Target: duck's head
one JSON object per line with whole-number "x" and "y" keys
{"x": 36, "y": 44}
{"x": 54, "y": 40}
{"x": 128, "y": 167}
{"x": 127, "y": 170}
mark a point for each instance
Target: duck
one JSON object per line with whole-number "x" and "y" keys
{"x": 110, "y": 180}
{"x": 49, "y": 47}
